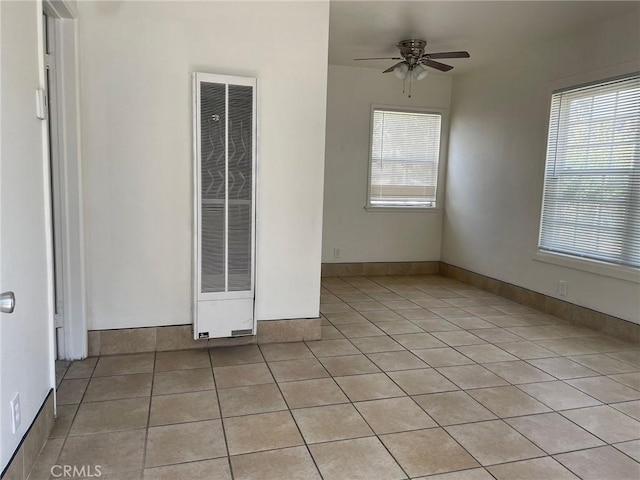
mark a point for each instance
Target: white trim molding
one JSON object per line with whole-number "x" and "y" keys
{"x": 73, "y": 338}
{"x": 621, "y": 272}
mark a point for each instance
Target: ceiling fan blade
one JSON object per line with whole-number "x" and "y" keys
{"x": 437, "y": 65}
{"x": 448, "y": 55}
{"x": 392, "y": 67}
{"x": 379, "y": 58}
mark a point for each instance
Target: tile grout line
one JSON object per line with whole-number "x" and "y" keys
{"x": 146, "y": 430}
{"x": 66, "y": 436}
{"x": 222, "y": 423}
{"x": 361, "y": 417}
{"x": 289, "y": 409}
{"x": 621, "y": 451}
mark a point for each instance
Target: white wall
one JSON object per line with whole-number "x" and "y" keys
{"x": 136, "y": 64}
{"x": 26, "y": 356}
{"x": 366, "y": 236}
{"x": 496, "y": 164}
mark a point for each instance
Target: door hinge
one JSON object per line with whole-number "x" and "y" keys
{"x": 58, "y": 316}
{"x": 42, "y": 109}
{"x": 49, "y": 61}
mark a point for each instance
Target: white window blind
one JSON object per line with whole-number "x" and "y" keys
{"x": 405, "y": 149}
{"x": 591, "y": 202}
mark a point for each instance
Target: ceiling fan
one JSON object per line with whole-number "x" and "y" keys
{"x": 414, "y": 60}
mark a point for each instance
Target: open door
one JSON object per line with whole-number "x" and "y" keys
{"x": 26, "y": 333}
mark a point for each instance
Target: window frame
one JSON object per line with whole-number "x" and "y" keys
{"x": 441, "y": 157}
{"x": 576, "y": 262}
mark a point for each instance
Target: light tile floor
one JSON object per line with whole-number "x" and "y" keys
{"x": 415, "y": 377}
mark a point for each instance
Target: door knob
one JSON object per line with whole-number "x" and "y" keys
{"x": 7, "y": 302}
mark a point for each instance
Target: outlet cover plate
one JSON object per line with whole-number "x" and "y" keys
{"x": 563, "y": 287}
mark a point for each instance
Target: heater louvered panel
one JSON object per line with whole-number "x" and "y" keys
{"x": 213, "y": 134}
{"x": 213, "y": 248}
{"x": 240, "y": 191}
{"x": 224, "y": 174}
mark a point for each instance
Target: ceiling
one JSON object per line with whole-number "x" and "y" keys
{"x": 489, "y": 31}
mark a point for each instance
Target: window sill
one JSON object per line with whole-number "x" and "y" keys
{"x": 621, "y": 272}
{"x": 402, "y": 209}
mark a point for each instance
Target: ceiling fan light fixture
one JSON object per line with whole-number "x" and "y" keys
{"x": 414, "y": 60}
{"x": 419, "y": 73}
{"x": 401, "y": 71}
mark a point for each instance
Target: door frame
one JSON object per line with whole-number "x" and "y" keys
{"x": 66, "y": 159}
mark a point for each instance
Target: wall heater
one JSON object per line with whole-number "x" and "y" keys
{"x": 224, "y": 205}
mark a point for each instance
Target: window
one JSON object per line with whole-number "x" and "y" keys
{"x": 591, "y": 201}
{"x": 405, "y": 149}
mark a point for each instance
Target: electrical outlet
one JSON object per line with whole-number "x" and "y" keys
{"x": 15, "y": 413}
{"x": 336, "y": 253}
{"x": 563, "y": 286}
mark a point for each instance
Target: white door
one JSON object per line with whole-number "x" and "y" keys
{"x": 26, "y": 335}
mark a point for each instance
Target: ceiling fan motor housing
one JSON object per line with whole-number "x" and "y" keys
{"x": 412, "y": 50}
